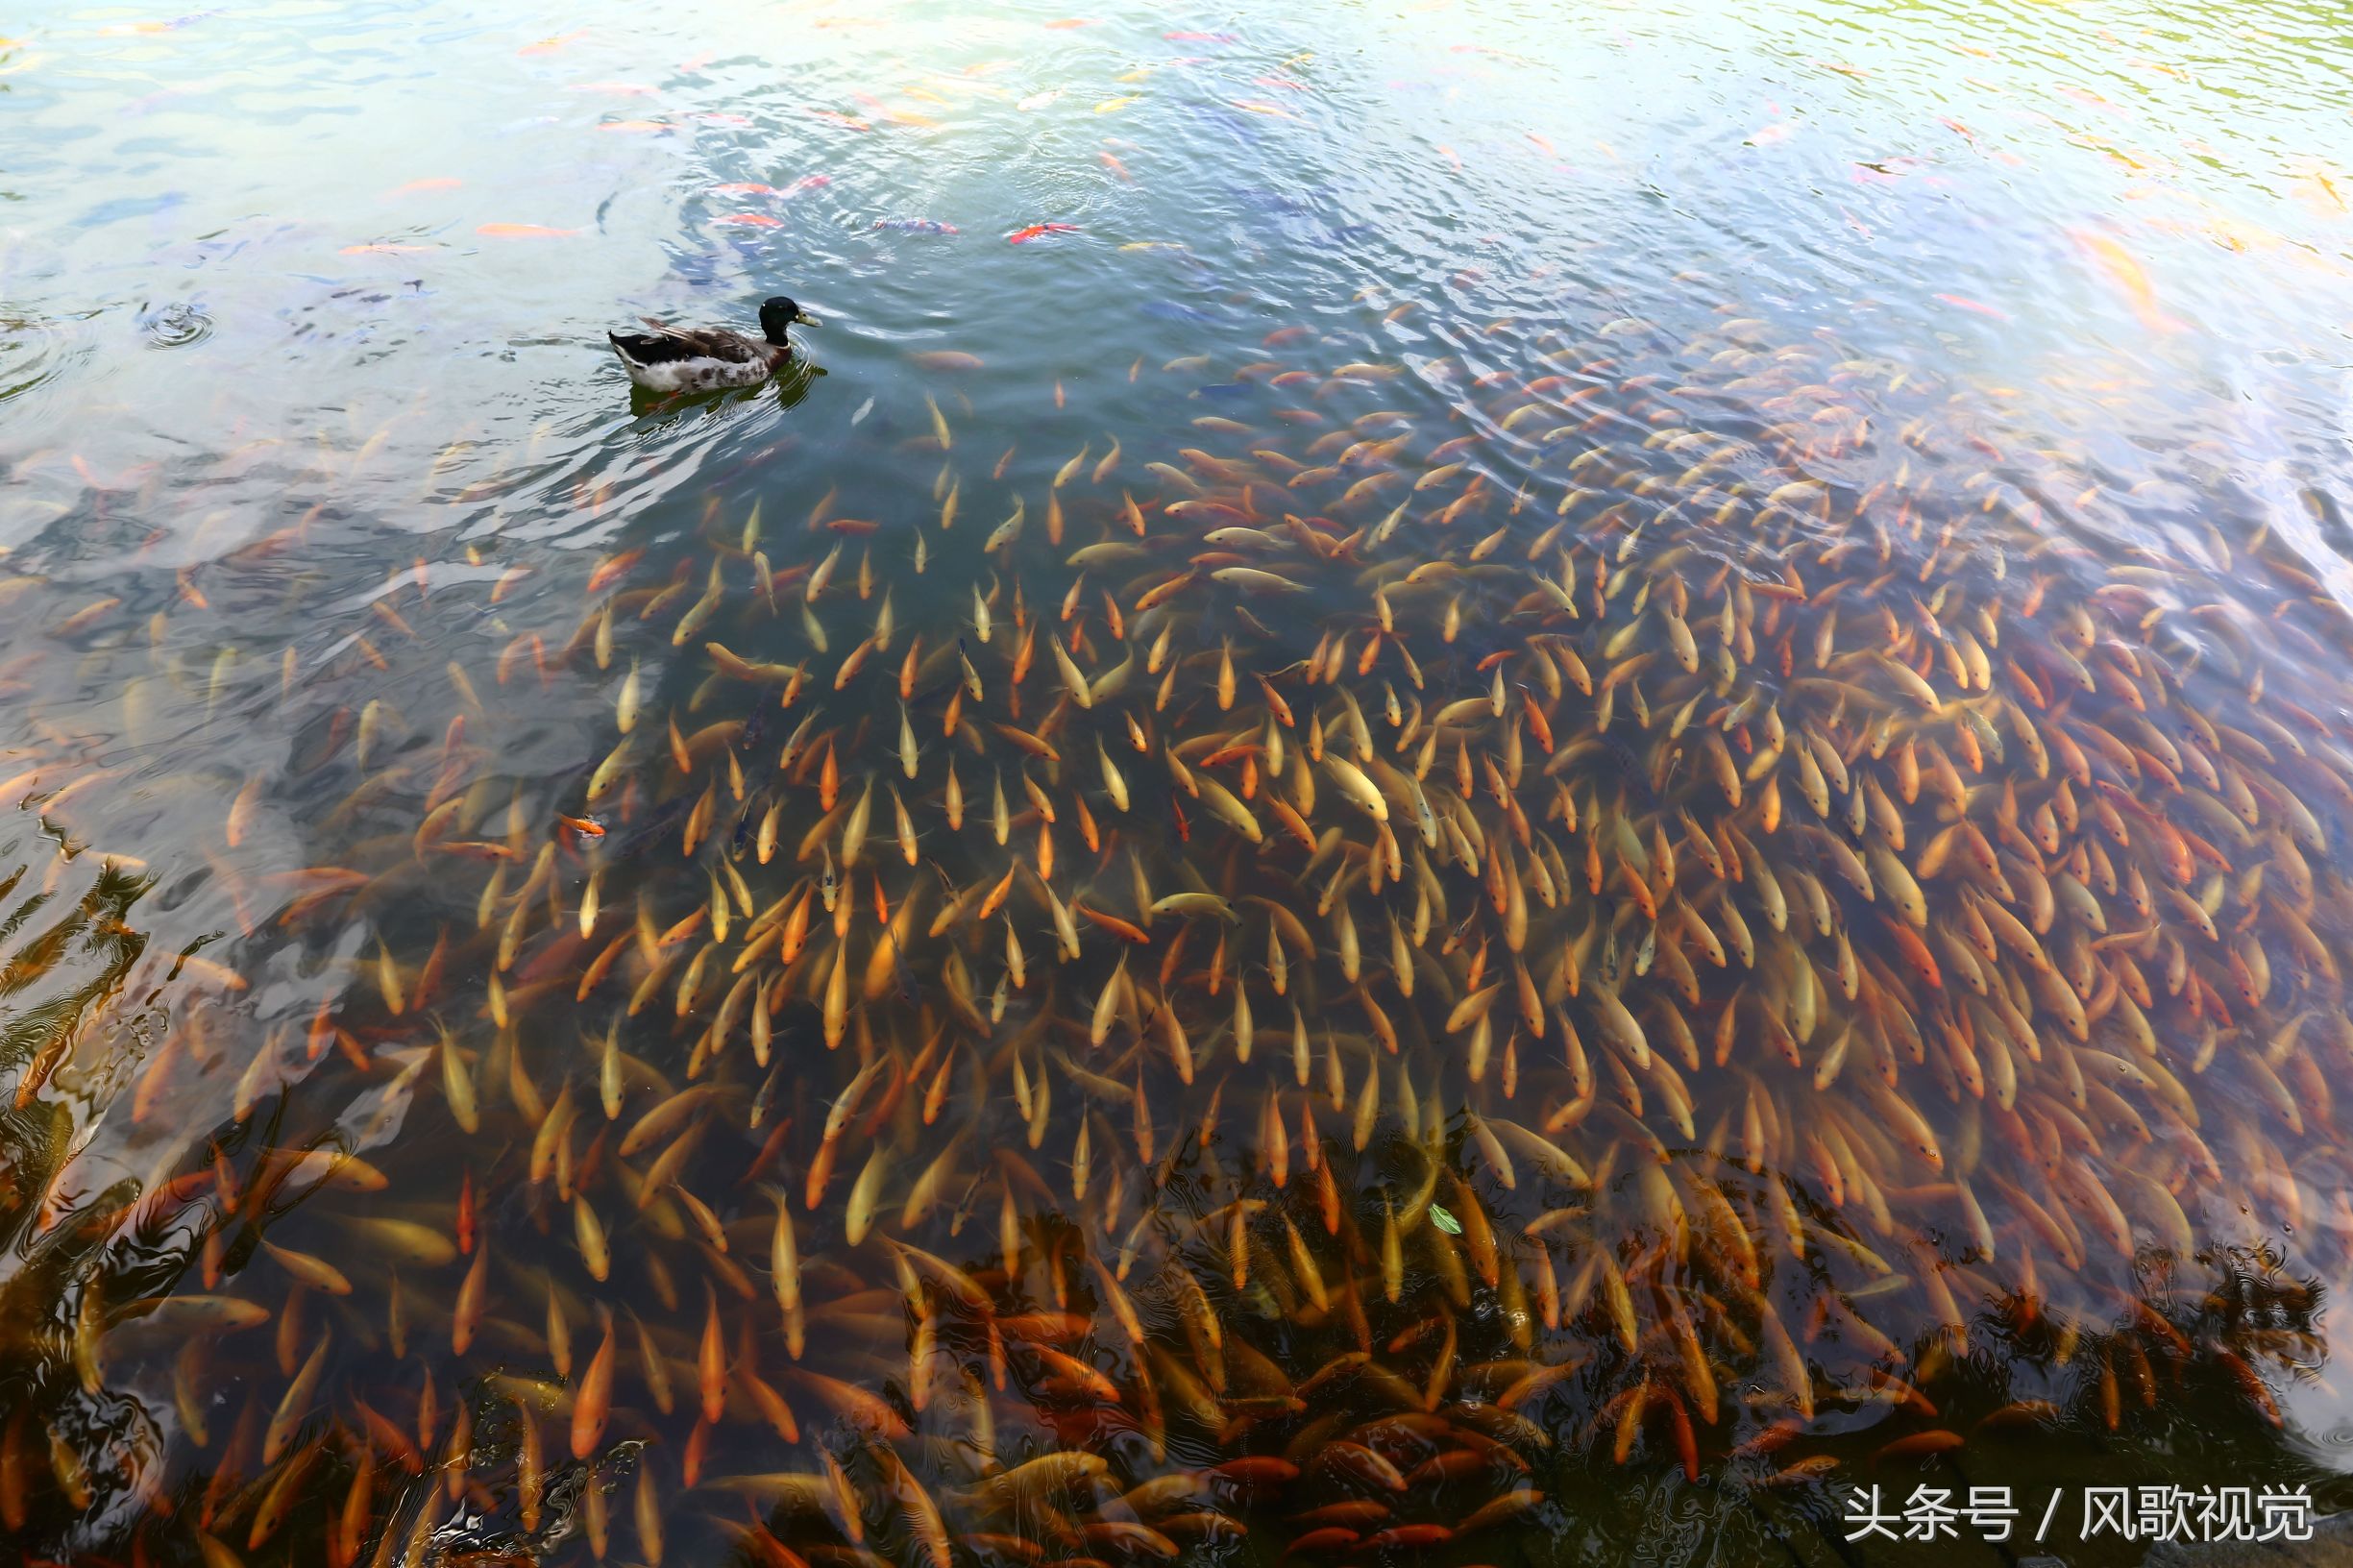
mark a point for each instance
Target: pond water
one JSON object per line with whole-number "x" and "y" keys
{"x": 1446, "y": 782}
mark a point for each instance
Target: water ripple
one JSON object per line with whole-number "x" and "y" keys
{"x": 175, "y": 325}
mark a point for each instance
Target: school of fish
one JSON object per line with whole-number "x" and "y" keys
{"x": 1742, "y": 910}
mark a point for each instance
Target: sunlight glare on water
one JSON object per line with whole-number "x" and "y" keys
{"x": 1454, "y": 780}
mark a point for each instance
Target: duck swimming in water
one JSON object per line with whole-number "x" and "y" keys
{"x": 702, "y": 358}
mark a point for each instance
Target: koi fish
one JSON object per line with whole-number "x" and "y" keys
{"x": 1964, "y": 302}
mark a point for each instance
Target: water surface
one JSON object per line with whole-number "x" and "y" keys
{"x": 337, "y": 546}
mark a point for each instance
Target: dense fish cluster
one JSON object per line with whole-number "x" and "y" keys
{"x": 1380, "y": 961}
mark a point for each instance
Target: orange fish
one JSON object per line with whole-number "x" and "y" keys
{"x": 752, "y": 220}
{"x": 613, "y": 567}
{"x": 1124, "y": 930}
{"x": 438, "y": 183}
{"x": 2121, "y": 266}
{"x": 593, "y": 1404}
{"x": 549, "y": 45}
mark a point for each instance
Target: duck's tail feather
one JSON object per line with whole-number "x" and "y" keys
{"x": 648, "y": 349}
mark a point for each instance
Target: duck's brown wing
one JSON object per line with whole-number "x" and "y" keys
{"x": 666, "y": 344}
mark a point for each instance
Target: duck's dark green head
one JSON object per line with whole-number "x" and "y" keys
{"x": 778, "y": 313}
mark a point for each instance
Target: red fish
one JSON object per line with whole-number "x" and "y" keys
{"x": 1967, "y": 303}
{"x": 1029, "y": 232}
{"x": 752, "y": 220}
{"x": 752, "y": 187}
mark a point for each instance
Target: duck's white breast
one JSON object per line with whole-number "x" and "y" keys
{"x": 696, "y": 375}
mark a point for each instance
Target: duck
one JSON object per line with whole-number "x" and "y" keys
{"x": 703, "y": 358}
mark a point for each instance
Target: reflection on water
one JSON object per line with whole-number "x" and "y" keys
{"x": 1470, "y": 828}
